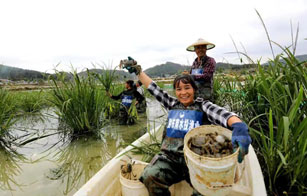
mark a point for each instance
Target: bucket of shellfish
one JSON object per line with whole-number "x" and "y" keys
{"x": 210, "y": 158}
{"x": 129, "y": 179}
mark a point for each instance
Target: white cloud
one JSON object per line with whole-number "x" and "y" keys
{"x": 38, "y": 34}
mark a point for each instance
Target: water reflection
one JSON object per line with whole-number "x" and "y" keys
{"x": 59, "y": 168}
{"x": 9, "y": 169}
{"x": 78, "y": 162}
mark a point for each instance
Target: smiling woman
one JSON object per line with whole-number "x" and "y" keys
{"x": 185, "y": 89}
{"x": 186, "y": 112}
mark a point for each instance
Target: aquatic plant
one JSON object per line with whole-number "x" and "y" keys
{"x": 78, "y": 162}
{"x": 107, "y": 77}
{"x": 7, "y": 114}
{"x": 277, "y": 102}
{"x": 133, "y": 113}
{"x": 273, "y": 101}
{"x": 30, "y": 102}
{"x": 228, "y": 93}
{"x": 9, "y": 164}
{"x": 148, "y": 149}
{"x": 111, "y": 107}
{"x": 78, "y": 103}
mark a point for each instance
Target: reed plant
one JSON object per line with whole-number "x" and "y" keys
{"x": 30, "y": 102}
{"x": 107, "y": 77}
{"x": 78, "y": 103}
{"x": 133, "y": 113}
{"x": 148, "y": 149}
{"x": 274, "y": 103}
{"x": 10, "y": 169}
{"x": 8, "y": 111}
{"x": 111, "y": 107}
{"x": 280, "y": 125}
{"x": 229, "y": 93}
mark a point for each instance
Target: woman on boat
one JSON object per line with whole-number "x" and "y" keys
{"x": 169, "y": 167}
{"x": 127, "y": 97}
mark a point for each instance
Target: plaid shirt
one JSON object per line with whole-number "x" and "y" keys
{"x": 208, "y": 65}
{"x": 216, "y": 115}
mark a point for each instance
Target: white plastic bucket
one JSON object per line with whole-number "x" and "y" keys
{"x": 134, "y": 187}
{"x": 210, "y": 176}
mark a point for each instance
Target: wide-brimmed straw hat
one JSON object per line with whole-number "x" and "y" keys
{"x": 200, "y": 42}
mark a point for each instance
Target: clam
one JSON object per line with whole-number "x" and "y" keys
{"x": 211, "y": 145}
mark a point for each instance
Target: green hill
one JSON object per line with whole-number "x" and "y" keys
{"x": 166, "y": 69}
{"x": 121, "y": 74}
{"x": 13, "y": 73}
{"x": 163, "y": 70}
{"x": 170, "y": 68}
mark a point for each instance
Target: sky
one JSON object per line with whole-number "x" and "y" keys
{"x": 45, "y": 35}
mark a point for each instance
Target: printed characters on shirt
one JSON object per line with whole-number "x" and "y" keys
{"x": 127, "y": 100}
{"x": 182, "y": 121}
{"x": 197, "y": 71}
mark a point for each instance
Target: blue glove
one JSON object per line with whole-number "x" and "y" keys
{"x": 241, "y": 139}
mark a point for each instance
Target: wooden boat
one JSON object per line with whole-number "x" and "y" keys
{"x": 106, "y": 181}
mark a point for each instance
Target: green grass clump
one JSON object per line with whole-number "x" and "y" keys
{"x": 277, "y": 100}
{"x": 31, "y": 102}
{"x": 79, "y": 103}
{"x": 111, "y": 107}
{"x": 107, "y": 77}
{"x": 274, "y": 102}
{"x": 7, "y": 114}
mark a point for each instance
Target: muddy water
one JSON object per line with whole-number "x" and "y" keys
{"x": 52, "y": 166}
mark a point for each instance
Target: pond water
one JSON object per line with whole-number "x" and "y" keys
{"x": 51, "y": 166}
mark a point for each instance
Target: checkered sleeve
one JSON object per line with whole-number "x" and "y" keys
{"x": 216, "y": 114}
{"x": 162, "y": 96}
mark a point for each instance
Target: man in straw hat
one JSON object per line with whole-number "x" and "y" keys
{"x": 203, "y": 68}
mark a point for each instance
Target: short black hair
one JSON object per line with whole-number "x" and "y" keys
{"x": 130, "y": 83}
{"x": 185, "y": 79}
{"x": 139, "y": 82}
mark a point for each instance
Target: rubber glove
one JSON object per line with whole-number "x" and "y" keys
{"x": 241, "y": 139}
{"x": 131, "y": 65}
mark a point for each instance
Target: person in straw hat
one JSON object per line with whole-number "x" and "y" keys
{"x": 185, "y": 112}
{"x": 203, "y": 68}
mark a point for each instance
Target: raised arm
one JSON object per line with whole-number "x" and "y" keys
{"x": 145, "y": 79}
{"x": 162, "y": 96}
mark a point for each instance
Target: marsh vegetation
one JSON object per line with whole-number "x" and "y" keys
{"x": 61, "y": 137}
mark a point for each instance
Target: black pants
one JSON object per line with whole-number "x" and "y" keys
{"x": 124, "y": 116}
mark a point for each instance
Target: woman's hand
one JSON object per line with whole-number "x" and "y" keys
{"x": 109, "y": 94}
{"x": 241, "y": 139}
{"x": 131, "y": 65}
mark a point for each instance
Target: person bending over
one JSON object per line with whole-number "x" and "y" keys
{"x": 127, "y": 97}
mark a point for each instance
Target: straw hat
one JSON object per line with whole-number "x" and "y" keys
{"x": 199, "y": 42}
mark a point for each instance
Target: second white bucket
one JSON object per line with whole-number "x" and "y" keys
{"x": 134, "y": 187}
{"x": 210, "y": 176}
